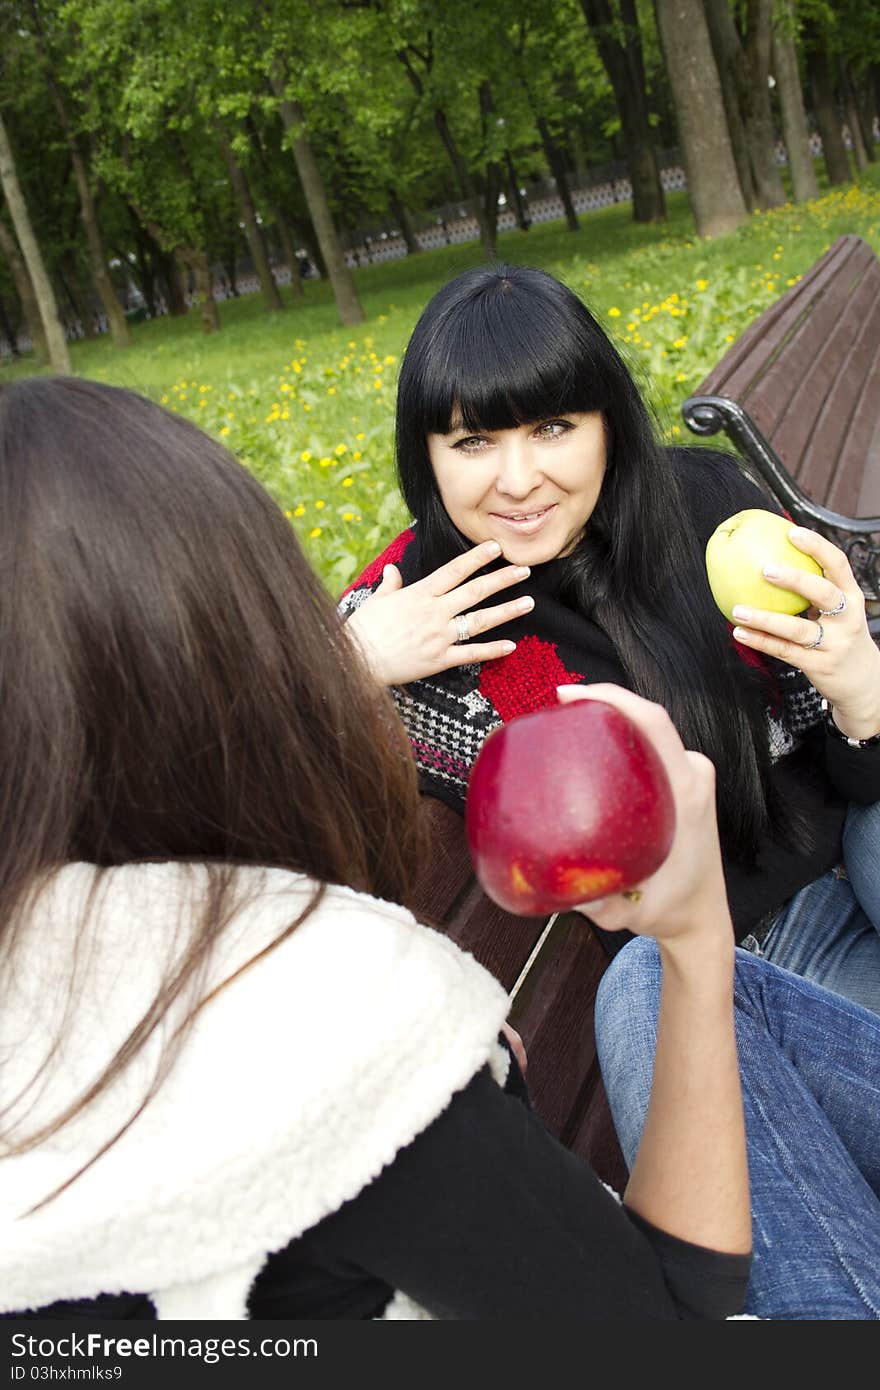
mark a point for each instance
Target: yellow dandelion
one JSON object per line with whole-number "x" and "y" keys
{"x": 347, "y": 482}
{"x": 297, "y": 367}
{"x": 306, "y": 405}
{"x": 225, "y": 429}
{"x": 314, "y": 533}
{"x": 164, "y": 400}
{"x": 614, "y": 312}
{"x": 299, "y": 510}
{"x": 361, "y": 435}
{"x": 389, "y": 360}
{"x": 306, "y": 456}
{"x": 357, "y": 455}
{"x": 320, "y": 503}
{"x": 702, "y": 285}
{"x": 331, "y": 390}
{"x": 340, "y": 450}
{"x": 348, "y": 516}
{"x": 326, "y": 462}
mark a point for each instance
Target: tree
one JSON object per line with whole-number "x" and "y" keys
{"x": 713, "y": 186}
{"x": 742, "y": 54}
{"x": 791, "y": 101}
{"x": 25, "y": 290}
{"x": 49, "y": 34}
{"x": 618, "y": 39}
{"x": 56, "y": 343}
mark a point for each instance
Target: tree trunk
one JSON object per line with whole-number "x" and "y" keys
{"x": 279, "y": 219}
{"x": 56, "y": 343}
{"x": 725, "y": 42}
{"x": 751, "y": 71}
{"x": 850, "y": 106}
{"x": 288, "y": 250}
{"x": 175, "y": 291}
{"x": 25, "y": 291}
{"x": 120, "y": 332}
{"x": 493, "y": 179}
{"x": 252, "y": 230}
{"x": 825, "y": 107}
{"x": 560, "y": 174}
{"x": 713, "y": 186}
{"x": 341, "y": 279}
{"x": 79, "y": 297}
{"x": 516, "y": 198}
{"x": 196, "y": 259}
{"x": 402, "y": 218}
{"x": 626, "y": 71}
{"x": 864, "y": 94}
{"x": 8, "y": 330}
{"x": 794, "y": 117}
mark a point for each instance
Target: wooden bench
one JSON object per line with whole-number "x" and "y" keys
{"x": 552, "y": 970}
{"x": 798, "y": 394}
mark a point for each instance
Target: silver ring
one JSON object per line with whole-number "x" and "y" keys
{"x": 808, "y": 646}
{"x": 461, "y": 624}
{"x": 833, "y": 612}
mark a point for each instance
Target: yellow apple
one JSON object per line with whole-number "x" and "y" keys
{"x": 738, "y": 550}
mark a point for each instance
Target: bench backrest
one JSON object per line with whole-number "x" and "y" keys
{"x": 807, "y": 371}
{"x": 553, "y": 969}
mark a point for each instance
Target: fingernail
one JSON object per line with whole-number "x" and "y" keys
{"x": 740, "y": 634}
{"x": 508, "y": 647}
{"x": 524, "y": 604}
{"x": 522, "y": 570}
{"x": 492, "y": 548}
{"x": 744, "y": 614}
{"x": 770, "y": 572}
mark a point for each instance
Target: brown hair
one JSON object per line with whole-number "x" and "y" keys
{"x": 174, "y": 681}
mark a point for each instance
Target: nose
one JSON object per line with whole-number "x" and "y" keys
{"x": 518, "y": 474}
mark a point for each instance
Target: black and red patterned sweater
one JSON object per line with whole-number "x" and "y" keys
{"x": 449, "y": 715}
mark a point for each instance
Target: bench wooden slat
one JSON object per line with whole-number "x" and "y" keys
{"x": 799, "y": 396}
{"x": 758, "y": 347}
{"x": 809, "y": 434}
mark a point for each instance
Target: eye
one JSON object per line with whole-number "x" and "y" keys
{"x": 471, "y": 444}
{"x": 553, "y": 429}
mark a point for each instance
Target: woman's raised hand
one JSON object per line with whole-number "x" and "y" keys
{"x": 832, "y": 644}
{"x": 686, "y": 899}
{"x": 407, "y": 633}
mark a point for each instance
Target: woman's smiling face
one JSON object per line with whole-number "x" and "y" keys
{"x": 531, "y": 488}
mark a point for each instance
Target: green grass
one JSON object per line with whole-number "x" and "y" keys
{"x": 308, "y": 405}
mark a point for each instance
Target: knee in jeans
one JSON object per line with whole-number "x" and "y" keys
{"x": 630, "y": 985}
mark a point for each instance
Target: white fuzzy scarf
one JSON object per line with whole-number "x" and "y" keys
{"x": 297, "y": 1085}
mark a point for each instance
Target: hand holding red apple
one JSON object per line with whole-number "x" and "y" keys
{"x": 685, "y": 900}
{"x": 565, "y": 805}
{"x": 674, "y": 854}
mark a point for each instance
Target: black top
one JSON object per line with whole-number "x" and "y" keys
{"x": 449, "y": 715}
{"x": 484, "y": 1216}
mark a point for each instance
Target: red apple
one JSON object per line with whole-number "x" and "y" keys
{"x": 567, "y": 805}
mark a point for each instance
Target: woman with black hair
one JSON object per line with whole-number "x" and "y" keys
{"x": 530, "y": 466}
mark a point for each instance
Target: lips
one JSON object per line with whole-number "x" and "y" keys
{"x": 525, "y": 523}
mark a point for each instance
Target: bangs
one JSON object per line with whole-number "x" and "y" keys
{"x": 504, "y": 360}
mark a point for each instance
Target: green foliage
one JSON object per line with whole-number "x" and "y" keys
{"x": 308, "y": 405}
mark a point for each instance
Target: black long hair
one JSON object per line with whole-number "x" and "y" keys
{"x": 506, "y": 345}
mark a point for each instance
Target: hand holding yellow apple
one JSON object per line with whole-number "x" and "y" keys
{"x": 737, "y": 552}
{"x": 793, "y": 596}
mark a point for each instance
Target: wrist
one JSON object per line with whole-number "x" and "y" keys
{"x": 852, "y": 726}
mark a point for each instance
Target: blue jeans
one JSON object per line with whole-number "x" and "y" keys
{"x": 830, "y": 931}
{"x": 810, "y": 1067}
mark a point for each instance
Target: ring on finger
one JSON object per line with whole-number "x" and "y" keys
{"x": 834, "y": 612}
{"x": 461, "y": 627}
{"x": 808, "y": 646}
